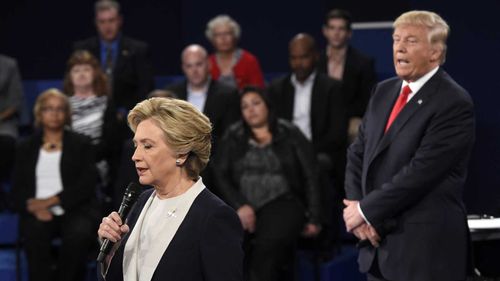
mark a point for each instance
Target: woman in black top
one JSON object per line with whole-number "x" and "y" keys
{"x": 266, "y": 170}
{"x": 54, "y": 191}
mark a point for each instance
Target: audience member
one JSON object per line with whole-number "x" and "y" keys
{"x": 214, "y": 99}
{"x": 407, "y": 167}
{"x": 11, "y": 98}
{"x": 92, "y": 112}
{"x": 125, "y": 61}
{"x": 266, "y": 170}
{"x": 229, "y": 64}
{"x": 313, "y": 102}
{"x": 54, "y": 191}
{"x": 344, "y": 63}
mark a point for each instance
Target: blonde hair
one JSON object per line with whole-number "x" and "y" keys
{"x": 40, "y": 104}
{"x": 186, "y": 129}
{"x": 222, "y": 20}
{"x": 437, "y": 27}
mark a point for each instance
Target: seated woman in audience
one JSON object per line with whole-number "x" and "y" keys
{"x": 93, "y": 113}
{"x": 266, "y": 170}
{"x": 231, "y": 65}
{"x": 54, "y": 191}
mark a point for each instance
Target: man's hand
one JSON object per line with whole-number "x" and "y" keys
{"x": 247, "y": 217}
{"x": 311, "y": 230}
{"x": 352, "y": 217}
{"x": 367, "y": 232}
{"x": 43, "y": 215}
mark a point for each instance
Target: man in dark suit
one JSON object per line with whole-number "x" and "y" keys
{"x": 217, "y": 101}
{"x": 220, "y": 103}
{"x": 313, "y": 102}
{"x": 344, "y": 63}
{"x": 126, "y": 61}
{"x": 406, "y": 169}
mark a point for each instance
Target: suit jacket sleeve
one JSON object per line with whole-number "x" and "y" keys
{"x": 222, "y": 234}
{"x": 13, "y": 88}
{"x": 449, "y": 133}
{"x": 305, "y": 155}
{"x": 352, "y": 185}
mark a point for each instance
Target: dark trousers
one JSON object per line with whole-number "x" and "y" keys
{"x": 270, "y": 251}
{"x": 77, "y": 234}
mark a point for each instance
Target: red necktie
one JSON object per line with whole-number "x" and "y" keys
{"x": 398, "y": 106}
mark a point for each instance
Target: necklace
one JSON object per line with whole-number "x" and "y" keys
{"x": 49, "y": 146}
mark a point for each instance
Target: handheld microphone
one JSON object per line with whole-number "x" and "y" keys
{"x": 129, "y": 197}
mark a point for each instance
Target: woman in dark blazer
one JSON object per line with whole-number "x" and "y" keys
{"x": 266, "y": 170}
{"x": 54, "y": 192}
{"x": 178, "y": 230}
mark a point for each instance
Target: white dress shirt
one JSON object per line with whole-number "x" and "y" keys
{"x": 302, "y": 104}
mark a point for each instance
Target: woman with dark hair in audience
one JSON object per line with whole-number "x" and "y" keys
{"x": 266, "y": 170}
{"x": 54, "y": 191}
{"x": 231, "y": 65}
{"x": 93, "y": 113}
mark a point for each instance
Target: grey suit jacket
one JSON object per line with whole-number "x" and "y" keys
{"x": 11, "y": 94}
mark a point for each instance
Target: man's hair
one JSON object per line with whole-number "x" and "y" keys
{"x": 339, "y": 14}
{"x": 436, "y": 26}
{"x": 102, "y": 5}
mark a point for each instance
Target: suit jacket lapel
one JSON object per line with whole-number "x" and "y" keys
{"x": 210, "y": 102}
{"x": 288, "y": 99}
{"x": 123, "y": 54}
{"x": 418, "y": 101}
{"x": 317, "y": 98}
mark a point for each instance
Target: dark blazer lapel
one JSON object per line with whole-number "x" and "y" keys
{"x": 123, "y": 53}
{"x": 381, "y": 117}
{"x": 288, "y": 98}
{"x": 317, "y": 100}
{"x": 182, "y": 93}
{"x": 419, "y": 100}
{"x": 210, "y": 102}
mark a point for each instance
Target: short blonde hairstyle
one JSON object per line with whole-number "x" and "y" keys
{"x": 186, "y": 129}
{"x": 222, "y": 20}
{"x": 41, "y": 100}
{"x": 437, "y": 27}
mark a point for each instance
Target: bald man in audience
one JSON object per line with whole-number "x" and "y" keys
{"x": 313, "y": 102}
{"x": 219, "y": 102}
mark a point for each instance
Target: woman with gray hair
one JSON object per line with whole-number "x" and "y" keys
{"x": 178, "y": 229}
{"x": 229, "y": 64}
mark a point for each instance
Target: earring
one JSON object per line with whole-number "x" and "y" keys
{"x": 178, "y": 162}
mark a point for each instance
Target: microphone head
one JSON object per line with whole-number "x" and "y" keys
{"x": 132, "y": 193}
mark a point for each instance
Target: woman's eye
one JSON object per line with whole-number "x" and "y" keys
{"x": 147, "y": 146}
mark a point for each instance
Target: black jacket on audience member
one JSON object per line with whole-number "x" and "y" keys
{"x": 358, "y": 80}
{"x": 296, "y": 158}
{"x": 328, "y": 118}
{"x": 133, "y": 70}
{"x": 78, "y": 173}
{"x": 221, "y": 107}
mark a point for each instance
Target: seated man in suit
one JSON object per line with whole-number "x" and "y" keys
{"x": 344, "y": 63}
{"x": 313, "y": 102}
{"x": 219, "y": 102}
{"x": 126, "y": 61}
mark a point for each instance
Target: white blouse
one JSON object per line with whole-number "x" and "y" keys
{"x": 48, "y": 177}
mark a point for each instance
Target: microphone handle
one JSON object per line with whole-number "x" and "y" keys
{"x": 107, "y": 245}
